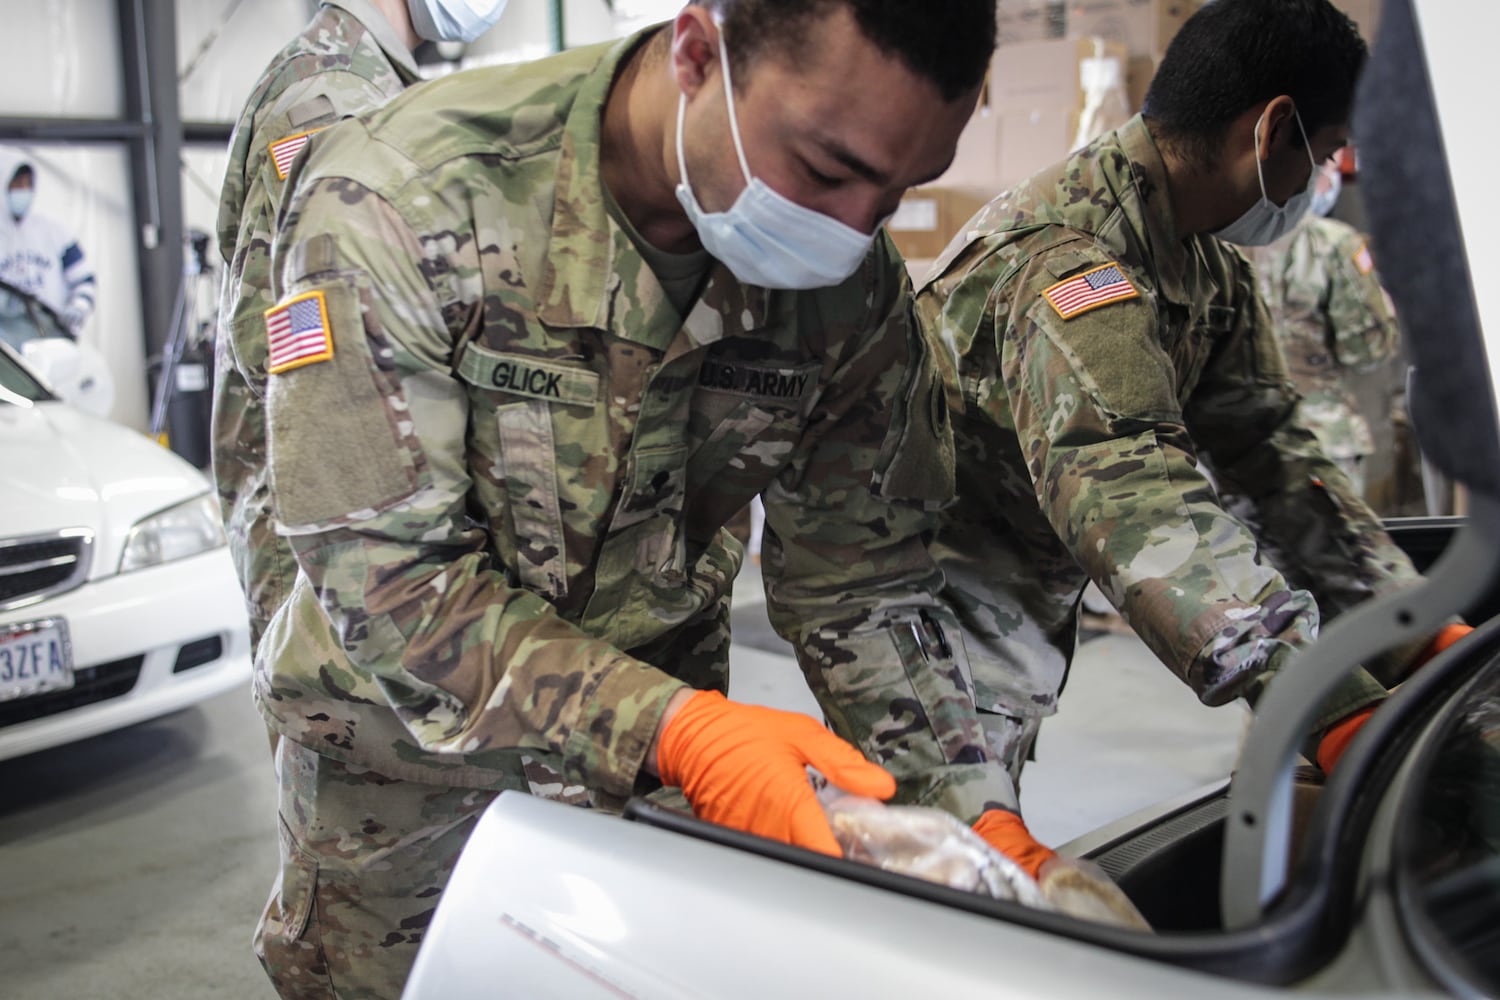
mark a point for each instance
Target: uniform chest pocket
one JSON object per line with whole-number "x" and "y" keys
{"x": 657, "y": 487}
{"x": 747, "y": 419}
{"x": 523, "y": 407}
{"x": 1192, "y": 343}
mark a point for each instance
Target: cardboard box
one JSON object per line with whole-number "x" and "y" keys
{"x": 1364, "y": 13}
{"x": 928, "y": 218}
{"x": 1138, "y": 74}
{"x": 1144, "y": 27}
{"x": 1028, "y": 20}
{"x": 976, "y": 162}
{"x": 1032, "y": 140}
{"x": 1045, "y": 75}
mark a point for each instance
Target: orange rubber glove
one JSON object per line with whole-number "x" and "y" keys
{"x": 1447, "y": 636}
{"x": 744, "y": 766}
{"x": 1005, "y": 832}
{"x": 1339, "y": 735}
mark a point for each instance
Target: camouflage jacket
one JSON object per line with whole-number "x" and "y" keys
{"x": 1089, "y": 405}
{"x": 506, "y": 487}
{"x": 348, "y": 60}
{"x": 1332, "y": 319}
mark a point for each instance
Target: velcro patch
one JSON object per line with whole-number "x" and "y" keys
{"x": 1362, "y": 259}
{"x": 763, "y": 382}
{"x": 297, "y": 333}
{"x": 1093, "y": 288}
{"x": 284, "y": 151}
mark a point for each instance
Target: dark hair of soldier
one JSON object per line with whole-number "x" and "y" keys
{"x": 949, "y": 43}
{"x": 1233, "y": 54}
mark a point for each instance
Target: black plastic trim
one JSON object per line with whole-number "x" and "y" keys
{"x": 197, "y": 653}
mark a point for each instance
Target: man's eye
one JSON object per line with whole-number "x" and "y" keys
{"x": 821, "y": 178}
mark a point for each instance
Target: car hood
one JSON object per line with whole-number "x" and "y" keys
{"x": 67, "y": 469}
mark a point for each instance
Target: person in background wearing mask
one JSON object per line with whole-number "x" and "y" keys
{"x": 541, "y": 331}
{"x": 1110, "y": 340}
{"x": 39, "y": 257}
{"x": 353, "y": 57}
{"x": 1332, "y": 319}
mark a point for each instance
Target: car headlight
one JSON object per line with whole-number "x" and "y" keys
{"x": 175, "y": 533}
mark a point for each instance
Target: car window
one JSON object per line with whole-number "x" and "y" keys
{"x": 23, "y": 317}
{"x": 1450, "y": 862}
{"x": 17, "y": 385}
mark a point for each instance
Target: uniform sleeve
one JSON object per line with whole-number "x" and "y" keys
{"x": 371, "y": 482}
{"x": 78, "y": 276}
{"x": 252, "y": 195}
{"x": 851, "y": 583}
{"x": 1095, "y": 402}
{"x": 303, "y": 109}
{"x": 1245, "y": 413}
{"x": 1363, "y": 328}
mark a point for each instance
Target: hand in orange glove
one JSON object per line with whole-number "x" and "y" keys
{"x": 1339, "y": 735}
{"x": 1005, "y": 832}
{"x": 744, "y": 766}
{"x": 1447, "y": 636}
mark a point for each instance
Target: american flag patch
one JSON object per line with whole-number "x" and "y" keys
{"x": 297, "y": 333}
{"x": 1362, "y": 259}
{"x": 284, "y": 151}
{"x": 1090, "y": 290}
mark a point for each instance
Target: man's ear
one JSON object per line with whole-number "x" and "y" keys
{"x": 1280, "y": 125}
{"x": 695, "y": 49}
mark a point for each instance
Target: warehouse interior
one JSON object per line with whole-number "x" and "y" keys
{"x": 139, "y": 826}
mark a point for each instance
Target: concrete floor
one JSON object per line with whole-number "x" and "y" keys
{"x": 133, "y": 866}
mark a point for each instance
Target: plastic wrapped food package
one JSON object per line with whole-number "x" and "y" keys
{"x": 933, "y": 845}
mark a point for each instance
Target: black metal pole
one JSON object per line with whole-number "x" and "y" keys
{"x": 148, "y": 42}
{"x": 14, "y": 128}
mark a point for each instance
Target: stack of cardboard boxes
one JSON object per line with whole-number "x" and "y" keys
{"x": 1036, "y": 108}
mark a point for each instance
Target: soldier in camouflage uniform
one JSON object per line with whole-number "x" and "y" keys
{"x": 538, "y": 337}
{"x": 1332, "y": 319}
{"x": 353, "y": 57}
{"x": 1108, "y": 344}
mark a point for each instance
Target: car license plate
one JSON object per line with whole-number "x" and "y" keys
{"x": 34, "y": 657}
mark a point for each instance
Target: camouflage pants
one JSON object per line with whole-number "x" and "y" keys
{"x": 364, "y": 860}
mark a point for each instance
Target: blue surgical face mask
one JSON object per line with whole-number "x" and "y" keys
{"x": 1323, "y": 201}
{"x": 453, "y": 20}
{"x": 1266, "y": 222}
{"x": 19, "y": 200}
{"x": 765, "y": 238}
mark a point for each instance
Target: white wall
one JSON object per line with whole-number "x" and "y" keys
{"x": 216, "y": 80}
{"x": 60, "y": 57}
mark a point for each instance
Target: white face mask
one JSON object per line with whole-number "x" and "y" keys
{"x": 1266, "y": 222}
{"x": 765, "y": 238}
{"x": 453, "y": 20}
{"x": 19, "y": 200}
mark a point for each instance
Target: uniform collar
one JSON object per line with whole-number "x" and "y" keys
{"x": 375, "y": 22}
{"x": 595, "y": 277}
{"x": 1180, "y": 269}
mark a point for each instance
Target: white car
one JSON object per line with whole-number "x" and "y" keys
{"x": 118, "y": 599}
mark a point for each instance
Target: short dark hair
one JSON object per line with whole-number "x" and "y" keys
{"x": 1233, "y": 54}
{"x": 949, "y": 43}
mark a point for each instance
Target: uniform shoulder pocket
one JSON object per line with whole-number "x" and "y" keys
{"x": 341, "y": 441}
